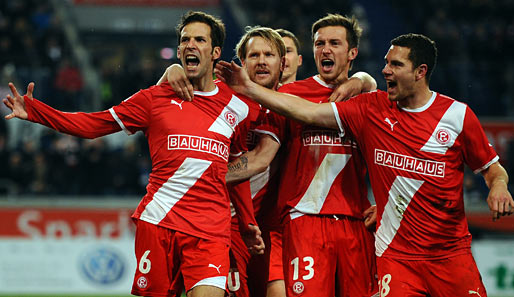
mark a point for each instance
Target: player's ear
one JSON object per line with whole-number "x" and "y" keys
{"x": 421, "y": 71}
{"x": 352, "y": 53}
{"x": 216, "y": 53}
{"x": 300, "y": 60}
{"x": 282, "y": 64}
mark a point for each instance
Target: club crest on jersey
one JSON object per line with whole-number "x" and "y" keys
{"x": 142, "y": 282}
{"x": 298, "y": 288}
{"x": 230, "y": 118}
{"x": 443, "y": 136}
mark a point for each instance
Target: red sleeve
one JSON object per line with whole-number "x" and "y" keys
{"x": 350, "y": 114}
{"x": 274, "y": 125}
{"x": 131, "y": 115}
{"x": 85, "y": 125}
{"x": 241, "y": 197}
{"x": 478, "y": 152}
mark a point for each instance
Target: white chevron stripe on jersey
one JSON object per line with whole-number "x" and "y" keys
{"x": 258, "y": 181}
{"x": 451, "y": 123}
{"x": 314, "y": 197}
{"x": 174, "y": 189}
{"x": 233, "y": 114}
{"x": 400, "y": 195}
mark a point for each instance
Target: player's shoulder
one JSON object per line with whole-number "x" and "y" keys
{"x": 225, "y": 89}
{"x": 445, "y": 98}
{"x": 445, "y": 102}
{"x": 374, "y": 96}
{"x": 162, "y": 90}
{"x": 308, "y": 83}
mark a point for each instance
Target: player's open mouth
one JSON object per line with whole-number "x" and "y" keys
{"x": 192, "y": 61}
{"x": 327, "y": 65}
{"x": 261, "y": 73}
{"x": 391, "y": 84}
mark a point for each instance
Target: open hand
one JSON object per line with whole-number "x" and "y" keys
{"x": 16, "y": 103}
{"x": 233, "y": 75}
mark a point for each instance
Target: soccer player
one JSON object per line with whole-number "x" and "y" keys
{"x": 327, "y": 249}
{"x": 415, "y": 143}
{"x": 183, "y": 221}
{"x": 293, "y": 58}
{"x": 262, "y": 53}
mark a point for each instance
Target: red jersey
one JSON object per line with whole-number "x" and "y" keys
{"x": 415, "y": 160}
{"x": 189, "y": 145}
{"x": 322, "y": 172}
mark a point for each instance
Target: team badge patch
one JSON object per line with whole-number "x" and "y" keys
{"x": 443, "y": 136}
{"x": 298, "y": 288}
{"x": 231, "y": 118}
{"x": 142, "y": 283}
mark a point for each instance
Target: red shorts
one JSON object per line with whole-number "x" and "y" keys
{"x": 323, "y": 254}
{"x": 454, "y": 276}
{"x": 169, "y": 261}
{"x": 276, "y": 271}
{"x": 242, "y": 265}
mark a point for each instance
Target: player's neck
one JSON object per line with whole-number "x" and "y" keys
{"x": 288, "y": 80}
{"x": 418, "y": 99}
{"x": 341, "y": 78}
{"x": 203, "y": 84}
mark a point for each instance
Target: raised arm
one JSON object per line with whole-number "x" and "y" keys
{"x": 360, "y": 82}
{"x": 176, "y": 77}
{"x": 288, "y": 105}
{"x": 254, "y": 161}
{"x": 499, "y": 200}
{"x": 85, "y": 125}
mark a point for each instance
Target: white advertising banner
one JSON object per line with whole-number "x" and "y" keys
{"x": 66, "y": 251}
{"x": 495, "y": 260}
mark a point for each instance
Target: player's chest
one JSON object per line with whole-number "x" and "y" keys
{"x": 411, "y": 135}
{"x": 196, "y": 118}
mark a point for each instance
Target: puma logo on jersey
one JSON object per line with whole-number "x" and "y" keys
{"x": 216, "y": 267}
{"x": 387, "y": 120}
{"x": 471, "y": 292}
{"x": 176, "y": 103}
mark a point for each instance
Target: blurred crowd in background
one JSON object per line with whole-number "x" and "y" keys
{"x": 476, "y": 66}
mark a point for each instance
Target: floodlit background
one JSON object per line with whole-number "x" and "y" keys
{"x": 65, "y": 226}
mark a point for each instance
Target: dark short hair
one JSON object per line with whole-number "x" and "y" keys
{"x": 286, "y": 33}
{"x": 422, "y": 50}
{"x": 353, "y": 30}
{"x": 216, "y": 25}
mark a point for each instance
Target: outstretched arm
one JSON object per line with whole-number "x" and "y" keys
{"x": 288, "y": 105}
{"x": 85, "y": 125}
{"x": 499, "y": 200}
{"x": 254, "y": 161}
{"x": 176, "y": 77}
{"x": 360, "y": 82}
